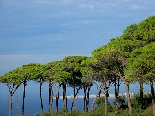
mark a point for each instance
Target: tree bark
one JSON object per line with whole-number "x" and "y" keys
{"x": 23, "y": 98}
{"x": 17, "y": 101}
{"x": 41, "y": 97}
{"x": 141, "y": 90}
{"x": 12, "y": 91}
{"x": 128, "y": 97}
{"x": 73, "y": 77}
{"x": 84, "y": 102}
{"x": 10, "y": 108}
{"x": 153, "y": 97}
{"x": 64, "y": 93}
{"x": 116, "y": 94}
{"x": 66, "y": 102}
{"x": 57, "y": 98}
{"x": 106, "y": 99}
{"x": 56, "y": 103}
{"x": 74, "y": 91}
{"x": 98, "y": 93}
{"x": 141, "y": 93}
{"x": 49, "y": 95}
{"x": 75, "y": 97}
{"x": 87, "y": 101}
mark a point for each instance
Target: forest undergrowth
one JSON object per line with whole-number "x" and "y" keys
{"x": 140, "y": 108}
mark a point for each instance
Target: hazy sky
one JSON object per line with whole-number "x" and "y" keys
{"x": 41, "y": 31}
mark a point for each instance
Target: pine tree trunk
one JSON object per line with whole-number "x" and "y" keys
{"x": 10, "y": 108}
{"x": 56, "y": 103}
{"x": 87, "y": 102}
{"x": 141, "y": 90}
{"x": 106, "y": 102}
{"x": 98, "y": 93}
{"x": 128, "y": 97}
{"x": 66, "y": 102}
{"x": 41, "y": 97}
{"x": 17, "y": 101}
{"x": 57, "y": 98}
{"x": 141, "y": 93}
{"x": 84, "y": 102}
{"x": 73, "y": 99}
{"x": 64, "y": 93}
{"x": 49, "y": 97}
{"x": 116, "y": 94}
{"x": 153, "y": 97}
{"x": 128, "y": 94}
{"x": 74, "y": 91}
{"x": 23, "y": 98}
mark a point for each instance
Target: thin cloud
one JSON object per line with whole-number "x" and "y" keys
{"x": 57, "y": 2}
{"x": 136, "y": 7}
{"x": 81, "y": 23}
{"x": 10, "y": 62}
{"x": 28, "y": 58}
{"x": 86, "y": 6}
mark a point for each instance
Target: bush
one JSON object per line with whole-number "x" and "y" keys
{"x": 49, "y": 113}
{"x": 101, "y": 105}
{"x": 63, "y": 112}
{"x": 121, "y": 101}
{"x": 140, "y": 104}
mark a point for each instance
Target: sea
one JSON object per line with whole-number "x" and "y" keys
{"x": 33, "y": 103}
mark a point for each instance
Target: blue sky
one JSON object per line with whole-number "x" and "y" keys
{"x": 42, "y": 31}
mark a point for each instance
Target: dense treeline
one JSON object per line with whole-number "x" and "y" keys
{"x": 128, "y": 58}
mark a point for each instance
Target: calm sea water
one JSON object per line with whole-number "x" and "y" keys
{"x": 32, "y": 98}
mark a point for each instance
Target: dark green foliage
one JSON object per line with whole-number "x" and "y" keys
{"x": 63, "y": 112}
{"x": 139, "y": 103}
{"x": 146, "y": 30}
{"x": 49, "y": 113}
{"x": 56, "y": 72}
{"x": 121, "y": 101}
{"x": 128, "y": 34}
{"x": 101, "y": 104}
{"x": 141, "y": 65}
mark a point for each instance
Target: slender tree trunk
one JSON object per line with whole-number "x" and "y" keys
{"x": 17, "y": 101}
{"x": 66, "y": 102}
{"x": 116, "y": 94}
{"x": 56, "y": 103}
{"x": 57, "y": 98}
{"x": 141, "y": 90}
{"x": 98, "y": 93}
{"x": 75, "y": 97}
{"x": 74, "y": 91}
{"x": 141, "y": 93}
{"x": 128, "y": 97}
{"x": 73, "y": 103}
{"x": 128, "y": 94}
{"x": 153, "y": 97}
{"x": 41, "y": 97}
{"x": 12, "y": 91}
{"x": 84, "y": 103}
{"x": 64, "y": 93}
{"x": 87, "y": 102}
{"x": 49, "y": 95}
{"x": 10, "y": 108}
{"x": 23, "y": 98}
{"x": 106, "y": 99}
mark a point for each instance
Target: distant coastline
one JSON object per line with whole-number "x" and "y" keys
{"x": 111, "y": 96}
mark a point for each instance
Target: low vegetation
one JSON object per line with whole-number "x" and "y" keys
{"x": 99, "y": 110}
